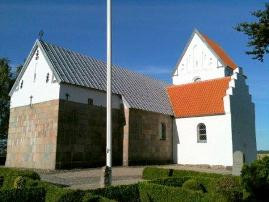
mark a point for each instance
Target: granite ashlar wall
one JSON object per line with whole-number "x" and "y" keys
{"x": 145, "y": 144}
{"x": 32, "y": 136}
{"x": 81, "y": 138}
{"x": 63, "y": 134}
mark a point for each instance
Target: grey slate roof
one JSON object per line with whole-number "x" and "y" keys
{"x": 141, "y": 92}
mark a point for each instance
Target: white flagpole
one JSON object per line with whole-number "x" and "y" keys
{"x": 109, "y": 108}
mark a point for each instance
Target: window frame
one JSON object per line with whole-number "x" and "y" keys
{"x": 90, "y": 101}
{"x": 163, "y": 131}
{"x": 199, "y": 134}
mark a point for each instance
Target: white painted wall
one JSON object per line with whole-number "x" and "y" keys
{"x": 198, "y": 61}
{"x": 226, "y": 134}
{"x": 81, "y": 95}
{"x": 216, "y": 151}
{"x": 38, "y": 88}
{"x": 52, "y": 90}
{"x": 243, "y": 117}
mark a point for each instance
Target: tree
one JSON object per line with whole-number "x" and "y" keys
{"x": 258, "y": 33}
{"x": 6, "y": 81}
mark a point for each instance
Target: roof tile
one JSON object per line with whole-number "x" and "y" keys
{"x": 198, "y": 99}
{"x": 141, "y": 92}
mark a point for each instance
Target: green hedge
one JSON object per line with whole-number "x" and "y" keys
{"x": 23, "y": 195}
{"x": 170, "y": 181}
{"x": 120, "y": 193}
{"x": 208, "y": 182}
{"x": 95, "y": 198}
{"x": 11, "y": 174}
{"x": 150, "y": 173}
{"x": 154, "y": 192}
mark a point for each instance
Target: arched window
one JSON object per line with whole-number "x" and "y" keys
{"x": 197, "y": 78}
{"x": 201, "y": 133}
{"x": 163, "y": 131}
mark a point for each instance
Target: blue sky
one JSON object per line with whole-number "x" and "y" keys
{"x": 148, "y": 36}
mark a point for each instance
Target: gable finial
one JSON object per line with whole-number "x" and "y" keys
{"x": 40, "y": 34}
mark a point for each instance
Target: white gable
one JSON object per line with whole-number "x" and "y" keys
{"x": 197, "y": 61}
{"x": 33, "y": 82}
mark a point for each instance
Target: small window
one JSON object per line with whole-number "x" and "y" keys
{"x": 201, "y": 133}
{"x": 67, "y": 96}
{"x": 21, "y": 86}
{"x": 197, "y": 79}
{"x": 163, "y": 131}
{"x": 47, "y": 77}
{"x": 90, "y": 101}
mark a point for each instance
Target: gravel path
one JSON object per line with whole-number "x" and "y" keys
{"x": 90, "y": 178}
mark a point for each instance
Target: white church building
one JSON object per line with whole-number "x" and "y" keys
{"x": 58, "y": 101}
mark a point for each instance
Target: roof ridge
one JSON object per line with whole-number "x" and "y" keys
{"x": 199, "y": 82}
{"x": 116, "y": 66}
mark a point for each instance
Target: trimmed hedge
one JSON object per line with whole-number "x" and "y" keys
{"x": 194, "y": 185}
{"x": 11, "y": 174}
{"x": 55, "y": 193}
{"x": 170, "y": 181}
{"x": 150, "y": 173}
{"x": 155, "y": 192}
{"x": 119, "y": 193}
{"x": 95, "y": 198}
{"x": 23, "y": 195}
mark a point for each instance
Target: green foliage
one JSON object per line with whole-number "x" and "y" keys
{"x": 230, "y": 188}
{"x": 120, "y": 193}
{"x": 255, "y": 178}
{"x": 19, "y": 182}
{"x": 194, "y": 185}
{"x": 6, "y": 82}
{"x": 94, "y": 198}
{"x": 171, "y": 181}
{"x": 22, "y": 195}
{"x": 155, "y": 192}
{"x": 1, "y": 181}
{"x": 11, "y": 174}
{"x": 69, "y": 195}
{"x": 150, "y": 173}
{"x": 258, "y": 33}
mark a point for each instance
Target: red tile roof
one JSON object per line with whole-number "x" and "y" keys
{"x": 220, "y": 52}
{"x": 200, "y": 98}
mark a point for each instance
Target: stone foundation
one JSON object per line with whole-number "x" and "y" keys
{"x": 81, "y": 138}
{"x": 32, "y": 136}
{"x": 145, "y": 144}
{"x": 62, "y": 134}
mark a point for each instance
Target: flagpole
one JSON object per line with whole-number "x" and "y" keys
{"x": 109, "y": 107}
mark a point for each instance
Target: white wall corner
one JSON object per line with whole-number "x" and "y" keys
{"x": 227, "y": 103}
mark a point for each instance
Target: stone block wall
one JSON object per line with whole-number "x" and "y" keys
{"x": 32, "y": 136}
{"x": 81, "y": 138}
{"x": 145, "y": 144}
{"x": 63, "y": 134}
